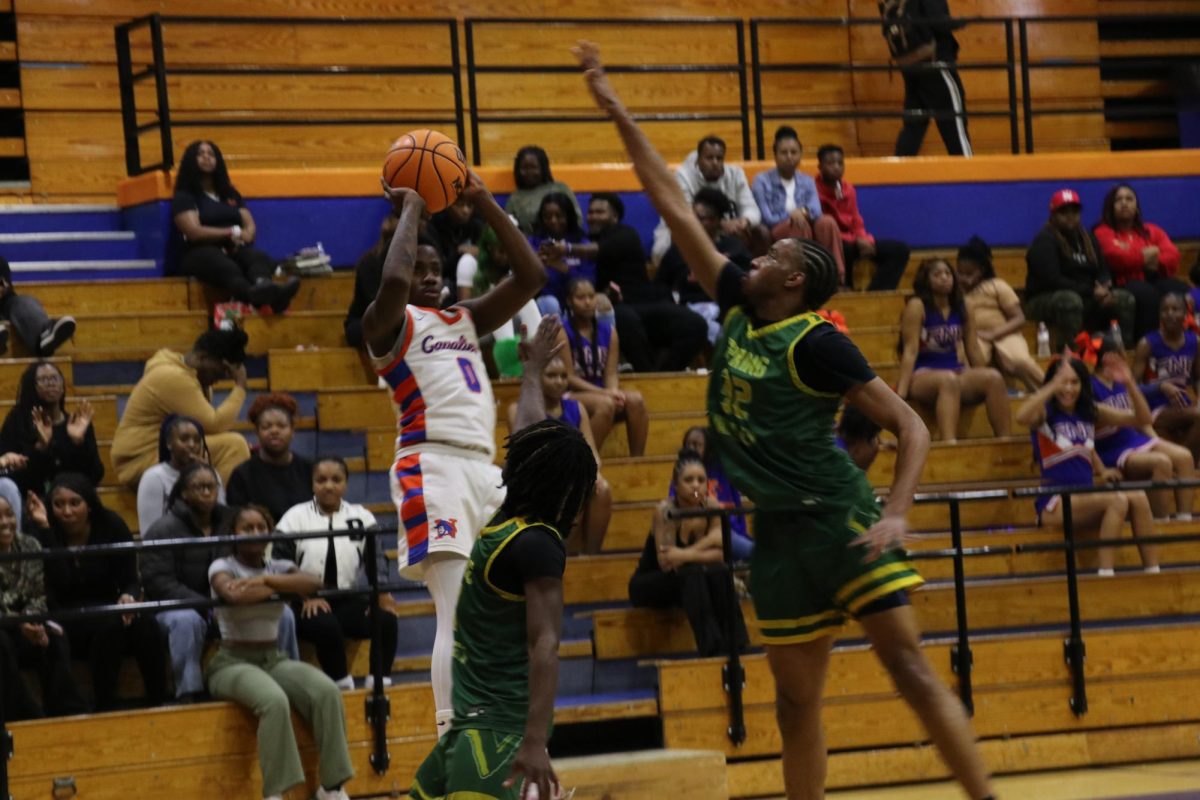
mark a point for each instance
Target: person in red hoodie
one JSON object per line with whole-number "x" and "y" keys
{"x": 840, "y": 202}
{"x": 1141, "y": 257}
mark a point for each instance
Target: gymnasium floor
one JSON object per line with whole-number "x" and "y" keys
{"x": 1173, "y": 780}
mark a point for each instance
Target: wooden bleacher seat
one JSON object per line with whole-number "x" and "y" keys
{"x": 1021, "y": 687}
{"x": 993, "y": 604}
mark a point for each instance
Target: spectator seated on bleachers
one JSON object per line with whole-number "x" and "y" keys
{"x": 1067, "y": 283}
{"x": 38, "y": 646}
{"x": 274, "y": 477}
{"x": 249, "y": 670}
{"x": 858, "y": 435}
{"x": 476, "y": 280}
{"x": 1140, "y": 256}
{"x": 699, "y": 440}
{"x": 182, "y": 574}
{"x": 40, "y": 334}
{"x": 705, "y": 167}
{"x": 532, "y": 177}
{"x": 181, "y": 443}
{"x": 1062, "y": 417}
{"x": 51, "y": 440}
{"x": 839, "y": 202}
{"x": 683, "y": 565}
{"x": 219, "y": 231}
{"x": 657, "y": 334}
{"x": 591, "y": 361}
{"x": 935, "y": 323}
{"x": 336, "y": 561}
{"x": 556, "y": 234}
{"x": 367, "y": 274}
{"x": 73, "y": 516}
{"x": 590, "y": 530}
{"x": 1167, "y": 359}
{"x": 789, "y": 202}
{"x": 181, "y": 383}
{"x": 996, "y": 309}
{"x": 1137, "y": 455}
{"x": 710, "y": 207}
{"x": 456, "y": 230}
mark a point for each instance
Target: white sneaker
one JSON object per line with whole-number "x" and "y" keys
{"x": 369, "y": 682}
{"x": 345, "y": 684}
{"x": 331, "y": 794}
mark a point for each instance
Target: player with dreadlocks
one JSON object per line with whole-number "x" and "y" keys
{"x": 507, "y": 627}
{"x": 823, "y": 550}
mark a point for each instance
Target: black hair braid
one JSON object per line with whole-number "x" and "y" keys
{"x": 821, "y": 274}
{"x": 549, "y": 473}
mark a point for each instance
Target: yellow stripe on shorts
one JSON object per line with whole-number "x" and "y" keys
{"x": 879, "y": 573}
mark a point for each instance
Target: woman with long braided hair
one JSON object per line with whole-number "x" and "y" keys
{"x": 824, "y": 550}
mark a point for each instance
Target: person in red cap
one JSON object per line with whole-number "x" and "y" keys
{"x": 1067, "y": 284}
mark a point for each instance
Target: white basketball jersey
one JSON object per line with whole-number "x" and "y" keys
{"x": 440, "y": 387}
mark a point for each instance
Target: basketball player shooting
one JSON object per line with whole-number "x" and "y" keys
{"x": 444, "y": 481}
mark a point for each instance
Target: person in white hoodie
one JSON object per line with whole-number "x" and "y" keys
{"x": 338, "y": 561}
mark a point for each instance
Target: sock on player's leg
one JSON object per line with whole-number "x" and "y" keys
{"x": 443, "y": 577}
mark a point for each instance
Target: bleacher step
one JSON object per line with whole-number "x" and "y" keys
{"x": 49, "y": 217}
{"x": 70, "y": 245}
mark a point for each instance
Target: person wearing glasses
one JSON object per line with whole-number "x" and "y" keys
{"x": 41, "y": 440}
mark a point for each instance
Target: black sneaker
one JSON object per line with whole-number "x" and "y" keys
{"x": 3, "y": 339}
{"x": 58, "y": 332}
{"x": 284, "y": 292}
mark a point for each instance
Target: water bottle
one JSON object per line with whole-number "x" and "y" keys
{"x": 1043, "y": 341}
{"x": 1114, "y": 331}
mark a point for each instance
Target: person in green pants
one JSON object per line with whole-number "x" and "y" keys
{"x": 250, "y": 669}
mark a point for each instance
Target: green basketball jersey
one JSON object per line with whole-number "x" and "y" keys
{"x": 775, "y": 434}
{"x": 491, "y": 649}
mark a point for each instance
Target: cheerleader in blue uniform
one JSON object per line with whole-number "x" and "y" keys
{"x": 1062, "y": 417}
{"x": 1167, "y": 360}
{"x": 1134, "y": 451}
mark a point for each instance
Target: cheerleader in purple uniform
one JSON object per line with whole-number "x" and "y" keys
{"x": 1062, "y": 417}
{"x": 1137, "y": 455}
{"x": 934, "y": 324}
{"x": 1167, "y": 360}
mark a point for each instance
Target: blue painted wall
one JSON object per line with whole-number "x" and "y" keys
{"x": 929, "y": 215}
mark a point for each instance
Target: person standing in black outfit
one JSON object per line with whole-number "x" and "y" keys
{"x": 219, "y": 232}
{"x": 920, "y": 35}
{"x": 655, "y": 333}
{"x": 274, "y": 477}
{"x": 77, "y": 518}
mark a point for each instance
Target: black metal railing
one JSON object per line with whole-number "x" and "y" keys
{"x": 467, "y": 108}
{"x": 377, "y": 707}
{"x": 961, "y": 658}
{"x": 476, "y": 56}
{"x": 161, "y": 70}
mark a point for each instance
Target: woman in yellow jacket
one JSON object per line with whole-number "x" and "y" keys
{"x": 181, "y": 383}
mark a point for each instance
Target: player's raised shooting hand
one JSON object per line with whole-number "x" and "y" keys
{"x": 588, "y": 54}
{"x": 399, "y": 197}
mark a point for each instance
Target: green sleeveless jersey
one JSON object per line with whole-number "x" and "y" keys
{"x": 775, "y": 434}
{"x": 491, "y": 649}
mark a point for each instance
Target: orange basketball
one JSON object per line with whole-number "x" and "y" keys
{"x": 431, "y": 164}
